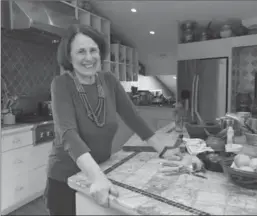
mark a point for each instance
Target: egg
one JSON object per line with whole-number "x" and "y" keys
{"x": 242, "y": 160}
{"x": 246, "y": 168}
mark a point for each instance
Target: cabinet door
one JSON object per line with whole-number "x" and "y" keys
{"x": 162, "y": 123}
{"x": 39, "y": 155}
{"x": 37, "y": 180}
{"x": 15, "y": 161}
{"x": 16, "y": 140}
{"x": 14, "y": 189}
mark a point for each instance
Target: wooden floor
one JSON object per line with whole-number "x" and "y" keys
{"x": 36, "y": 207}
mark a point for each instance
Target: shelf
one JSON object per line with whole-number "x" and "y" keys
{"x": 214, "y": 48}
{"x": 127, "y": 60}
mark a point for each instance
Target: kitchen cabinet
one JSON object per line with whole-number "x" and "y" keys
{"x": 23, "y": 169}
{"x": 157, "y": 117}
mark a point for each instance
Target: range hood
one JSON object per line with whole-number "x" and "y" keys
{"x": 43, "y": 16}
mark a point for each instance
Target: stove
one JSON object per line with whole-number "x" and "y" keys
{"x": 33, "y": 119}
{"x": 44, "y": 127}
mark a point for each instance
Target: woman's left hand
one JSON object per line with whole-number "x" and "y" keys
{"x": 159, "y": 141}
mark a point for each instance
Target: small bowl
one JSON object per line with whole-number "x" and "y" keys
{"x": 215, "y": 163}
{"x": 251, "y": 139}
{"x": 197, "y": 131}
{"x": 234, "y": 148}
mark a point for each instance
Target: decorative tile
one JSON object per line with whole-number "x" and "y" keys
{"x": 28, "y": 68}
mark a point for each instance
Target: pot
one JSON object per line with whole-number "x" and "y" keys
{"x": 226, "y": 31}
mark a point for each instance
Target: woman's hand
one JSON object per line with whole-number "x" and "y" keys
{"x": 159, "y": 141}
{"x": 101, "y": 189}
{"x": 173, "y": 154}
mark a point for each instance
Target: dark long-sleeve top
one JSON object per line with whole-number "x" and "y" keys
{"x": 76, "y": 134}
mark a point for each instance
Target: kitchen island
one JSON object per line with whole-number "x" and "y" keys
{"x": 144, "y": 191}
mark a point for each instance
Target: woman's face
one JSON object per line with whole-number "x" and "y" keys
{"x": 85, "y": 55}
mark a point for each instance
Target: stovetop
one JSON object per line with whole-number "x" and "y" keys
{"x": 33, "y": 118}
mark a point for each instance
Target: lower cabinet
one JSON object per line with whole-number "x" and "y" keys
{"x": 157, "y": 117}
{"x": 23, "y": 175}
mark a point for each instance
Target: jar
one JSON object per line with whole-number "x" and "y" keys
{"x": 188, "y": 35}
{"x": 204, "y": 36}
{"x": 226, "y": 31}
{"x": 243, "y": 102}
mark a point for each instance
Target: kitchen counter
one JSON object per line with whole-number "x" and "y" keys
{"x": 153, "y": 106}
{"x": 145, "y": 191}
{"x": 18, "y": 127}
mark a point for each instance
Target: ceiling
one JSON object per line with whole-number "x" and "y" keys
{"x": 162, "y": 17}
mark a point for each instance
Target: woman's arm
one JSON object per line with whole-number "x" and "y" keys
{"x": 127, "y": 110}
{"x": 65, "y": 122}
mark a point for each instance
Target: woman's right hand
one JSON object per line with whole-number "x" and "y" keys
{"x": 100, "y": 190}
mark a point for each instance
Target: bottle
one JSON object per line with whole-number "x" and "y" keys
{"x": 230, "y": 135}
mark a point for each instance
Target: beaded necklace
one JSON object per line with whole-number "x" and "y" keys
{"x": 93, "y": 115}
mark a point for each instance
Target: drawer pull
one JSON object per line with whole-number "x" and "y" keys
{"x": 16, "y": 141}
{"x": 19, "y": 188}
{"x": 17, "y": 161}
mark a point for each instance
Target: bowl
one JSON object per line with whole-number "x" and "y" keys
{"x": 197, "y": 131}
{"x": 251, "y": 139}
{"x": 241, "y": 178}
{"x": 234, "y": 148}
{"x": 212, "y": 160}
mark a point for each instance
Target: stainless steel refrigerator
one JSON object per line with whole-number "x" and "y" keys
{"x": 212, "y": 91}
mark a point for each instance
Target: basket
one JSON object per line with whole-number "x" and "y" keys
{"x": 214, "y": 166}
{"x": 197, "y": 131}
{"x": 251, "y": 139}
{"x": 242, "y": 178}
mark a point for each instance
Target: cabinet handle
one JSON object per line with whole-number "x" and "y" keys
{"x": 16, "y": 141}
{"x": 19, "y": 188}
{"x": 18, "y": 161}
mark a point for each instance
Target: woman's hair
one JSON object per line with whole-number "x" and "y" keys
{"x": 64, "y": 48}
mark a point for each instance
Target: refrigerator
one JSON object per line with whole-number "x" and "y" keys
{"x": 212, "y": 89}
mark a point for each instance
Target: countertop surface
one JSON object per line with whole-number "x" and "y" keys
{"x": 145, "y": 191}
{"x": 153, "y": 106}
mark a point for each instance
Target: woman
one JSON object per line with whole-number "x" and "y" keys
{"x": 84, "y": 104}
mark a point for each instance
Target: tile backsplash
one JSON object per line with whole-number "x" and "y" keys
{"x": 27, "y": 67}
{"x": 244, "y": 67}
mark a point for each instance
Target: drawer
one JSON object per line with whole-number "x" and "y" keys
{"x": 13, "y": 189}
{"x": 37, "y": 180}
{"x": 15, "y": 161}
{"x": 39, "y": 155}
{"x": 17, "y": 140}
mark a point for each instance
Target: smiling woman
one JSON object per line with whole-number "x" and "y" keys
{"x": 84, "y": 106}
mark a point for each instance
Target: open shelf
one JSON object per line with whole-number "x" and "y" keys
{"x": 127, "y": 59}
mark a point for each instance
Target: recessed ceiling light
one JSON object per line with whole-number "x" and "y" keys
{"x": 174, "y": 77}
{"x": 152, "y": 32}
{"x": 134, "y": 10}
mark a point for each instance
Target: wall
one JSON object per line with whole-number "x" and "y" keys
{"x": 28, "y": 69}
{"x": 244, "y": 66}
